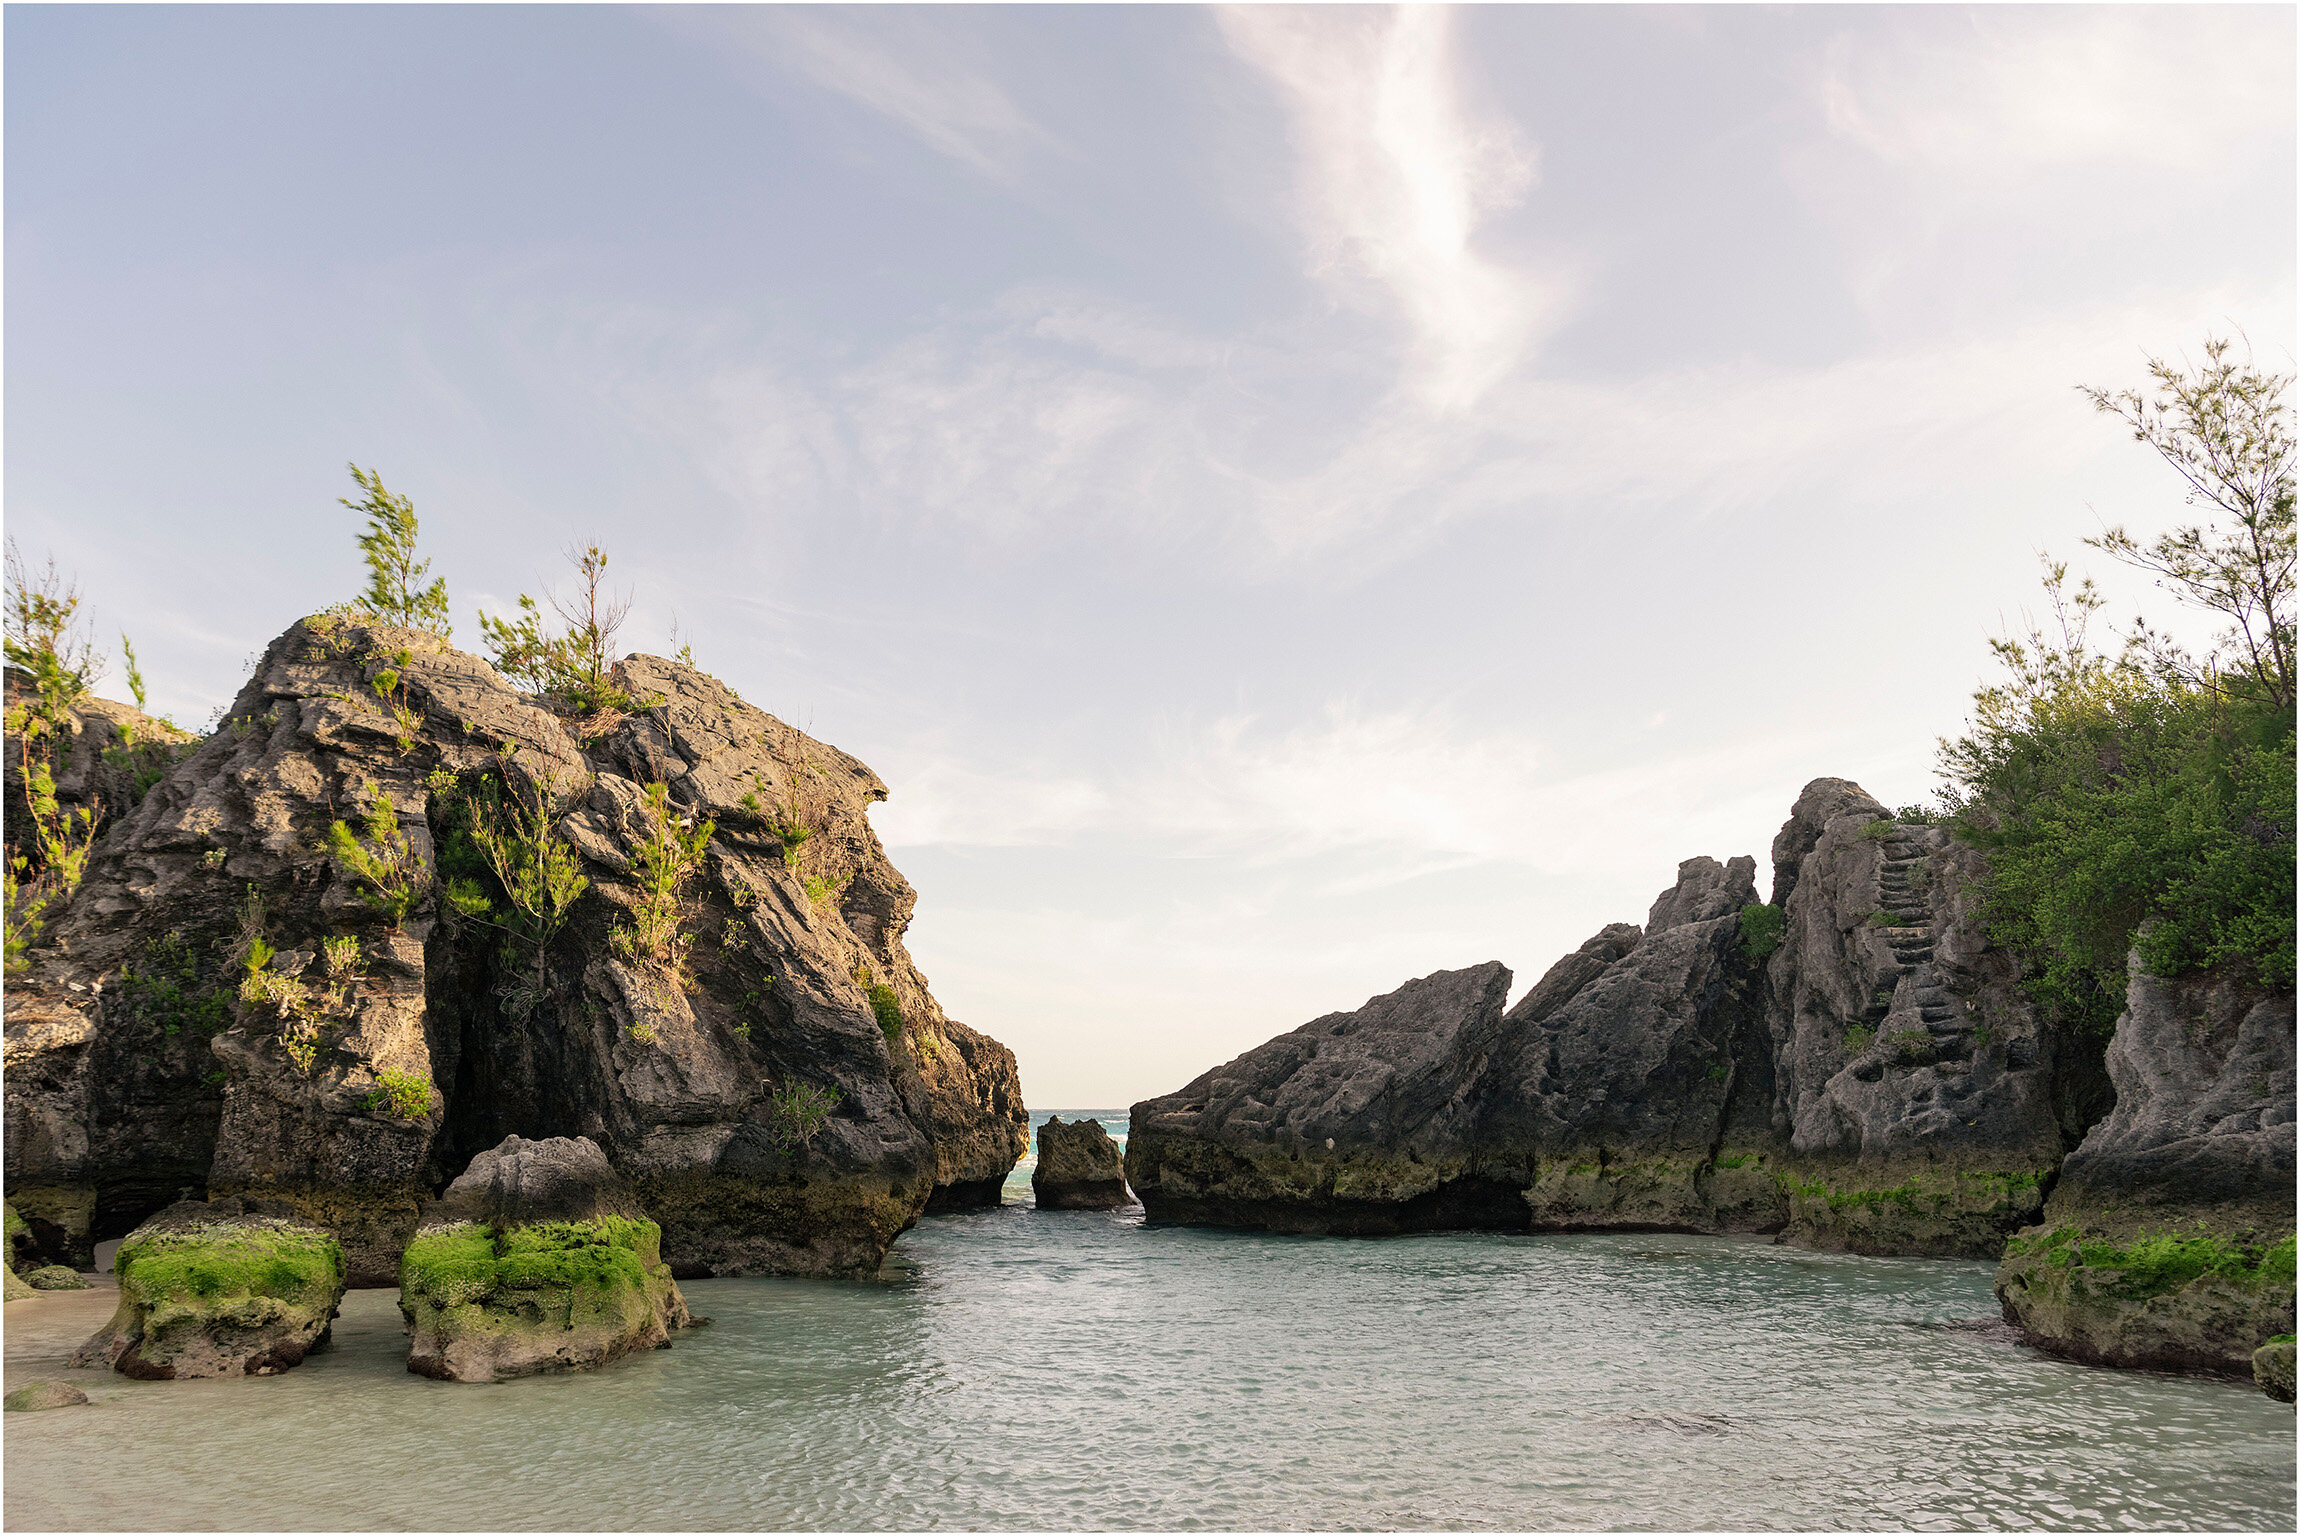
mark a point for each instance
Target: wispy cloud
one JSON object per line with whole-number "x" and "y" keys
{"x": 1395, "y": 180}
{"x": 928, "y": 78}
{"x": 1998, "y": 94}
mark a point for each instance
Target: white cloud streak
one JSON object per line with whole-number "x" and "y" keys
{"x": 1395, "y": 179}
{"x": 2000, "y": 94}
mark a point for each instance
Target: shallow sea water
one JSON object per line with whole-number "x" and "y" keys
{"x": 1024, "y": 1370}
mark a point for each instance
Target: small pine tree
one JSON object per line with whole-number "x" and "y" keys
{"x": 395, "y": 594}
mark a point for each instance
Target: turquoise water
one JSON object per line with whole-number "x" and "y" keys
{"x": 1027, "y": 1370}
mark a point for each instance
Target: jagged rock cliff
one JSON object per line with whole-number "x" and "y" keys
{"x": 2167, "y": 1240}
{"x": 1854, "y": 1065}
{"x": 769, "y": 1071}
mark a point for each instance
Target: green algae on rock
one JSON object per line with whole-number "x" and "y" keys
{"x": 538, "y": 1258}
{"x": 219, "y": 1289}
{"x": 55, "y": 1277}
{"x": 34, "y": 1396}
{"x": 2272, "y": 1368}
{"x": 2162, "y": 1301}
{"x": 554, "y": 1296}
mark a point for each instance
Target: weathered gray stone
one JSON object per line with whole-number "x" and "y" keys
{"x": 1925, "y": 1104}
{"x": 221, "y": 1288}
{"x": 34, "y": 1396}
{"x": 2272, "y": 1369}
{"x": 2199, "y": 1149}
{"x": 1361, "y": 1122}
{"x": 1079, "y": 1168}
{"x": 1705, "y": 890}
{"x": 138, "y": 1070}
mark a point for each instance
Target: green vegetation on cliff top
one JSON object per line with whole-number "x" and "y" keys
{"x": 2143, "y": 800}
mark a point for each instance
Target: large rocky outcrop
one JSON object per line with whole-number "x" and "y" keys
{"x": 1079, "y": 1168}
{"x": 764, "y": 1064}
{"x": 1363, "y": 1122}
{"x": 537, "y": 1259}
{"x": 2168, "y": 1239}
{"x": 1924, "y": 1102}
{"x": 1852, "y": 1064}
{"x": 222, "y": 1288}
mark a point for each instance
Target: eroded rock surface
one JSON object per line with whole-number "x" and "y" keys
{"x": 538, "y": 1258}
{"x": 2168, "y": 1239}
{"x": 222, "y": 1288}
{"x": 1925, "y": 1105}
{"x": 1079, "y": 1168}
{"x": 389, "y": 1036}
{"x": 34, "y": 1396}
{"x": 1852, "y": 1065}
{"x": 1362, "y": 1122}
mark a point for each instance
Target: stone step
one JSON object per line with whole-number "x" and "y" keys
{"x": 1936, "y": 1015}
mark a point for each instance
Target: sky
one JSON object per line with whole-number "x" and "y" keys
{"x": 1289, "y": 499}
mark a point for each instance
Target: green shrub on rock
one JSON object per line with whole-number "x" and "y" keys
{"x": 1762, "y": 927}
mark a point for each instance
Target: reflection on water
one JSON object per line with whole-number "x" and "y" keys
{"x": 1075, "y": 1369}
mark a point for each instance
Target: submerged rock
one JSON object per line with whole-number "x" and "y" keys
{"x": 1079, "y": 1168}
{"x": 36, "y": 1395}
{"x": 2168, "y": 1241}
{"x": 2272, "y": 1368}
{"x": 398, "y": 1028}
{"x": 538, "y": 1258}
{"x": 221, "y": 1288}
{"x": 55, "y": 1277}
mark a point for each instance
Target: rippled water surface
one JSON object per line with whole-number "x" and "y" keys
{"x": 1029, "y": 1370}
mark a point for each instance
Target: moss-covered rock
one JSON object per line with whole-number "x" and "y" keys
{"x": 2165, "y": 1301}
{"x": 537, "y": 1258}
{"x": 17, "y": 1290}
{"x": 36, "y": 1395}
{"x": 484, "y": 1305}
{"x": 219, "y": 1289}
{"x": 2272, "y": 1367}
{"x": 1912, "y": 1209}
{"x": 55, "y": 1277}
{"x": 19, "y": 1237}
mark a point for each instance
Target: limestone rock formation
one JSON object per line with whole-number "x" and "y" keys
{"x": 1853, "y": 1065}
{"x": 2272, "y": 1369}
{"x": 34, "y": 1396}
{"x": 1079, "y": 1168}
{"x": 538, "y": 1258}
{"x": 2168, "y": 1239}
{"x": 55, "y": 1277}
{"x": 1923, "y": 1102}
{"x": 1363, "y": 1122}
{"x": 398, "y": 1016}
{"x": 102, "y": 759}
{"x": 1630, "y": 1081}
{"x": 221, "y": 1288}
{"x": 15, "y": 1288}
